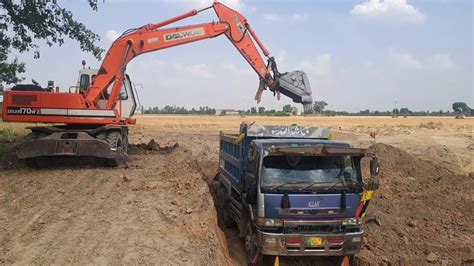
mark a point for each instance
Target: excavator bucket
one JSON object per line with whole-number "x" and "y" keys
{"x": 296, "y": 85}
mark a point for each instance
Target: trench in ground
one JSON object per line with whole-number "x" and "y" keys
{"x": 235, "y": 244}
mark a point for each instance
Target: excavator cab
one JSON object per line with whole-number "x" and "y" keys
{"x": 127, "y": 102}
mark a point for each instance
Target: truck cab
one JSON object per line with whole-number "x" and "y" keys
{"x": 293, "y": 192}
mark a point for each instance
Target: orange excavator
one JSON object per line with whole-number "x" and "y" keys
{"x": 92, "y": 118}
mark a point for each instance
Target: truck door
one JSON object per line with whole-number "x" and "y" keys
{"x": 251, "y": 176}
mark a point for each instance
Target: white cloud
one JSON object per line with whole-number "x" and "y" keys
{"x": 435, "y": 62}
{"x": 111, "y": 35}
{"x": 320, "y": 66}
{"x": 391, "y": 10}
{"x": 197, "y": 70}
{"x": 271, "y": 17}
{"x": 299, "y": 17}
{"x": 442, "y": 62}
{"x": 405, "y": 61}
{"x": 234, "y": 4}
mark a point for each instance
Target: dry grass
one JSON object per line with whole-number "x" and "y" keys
{"x": 410, "y": 125}
{"x": 362, "y": 124}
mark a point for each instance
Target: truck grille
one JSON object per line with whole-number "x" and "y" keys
{"x": 313, "y": 229}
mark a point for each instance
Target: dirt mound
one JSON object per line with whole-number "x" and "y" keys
{"x": 157, "y": 210}
{"x": 422, "y": 213}
{"x": 152, "y": 145}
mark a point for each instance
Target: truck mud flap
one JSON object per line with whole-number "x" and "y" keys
{"x": 61, "y": 144}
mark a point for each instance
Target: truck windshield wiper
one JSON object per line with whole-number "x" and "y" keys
{"x": 333, "y": 184}
{"x": 284, "y": 184}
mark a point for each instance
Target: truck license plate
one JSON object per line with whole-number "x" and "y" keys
{"x": 315, "y": 241}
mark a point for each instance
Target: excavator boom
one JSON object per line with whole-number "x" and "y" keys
{"x": 154, "y": 37}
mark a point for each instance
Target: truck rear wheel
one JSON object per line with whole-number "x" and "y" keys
{"x": 223, "y": 211}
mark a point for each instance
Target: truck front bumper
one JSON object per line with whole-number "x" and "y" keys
{"x": 299, "y": 244}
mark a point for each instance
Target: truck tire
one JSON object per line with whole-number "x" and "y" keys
{"x": 223, "y": 204}
{"x": 253, "y": 255}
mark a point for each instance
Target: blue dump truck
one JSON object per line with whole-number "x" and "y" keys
{"x": 292, "y": 191}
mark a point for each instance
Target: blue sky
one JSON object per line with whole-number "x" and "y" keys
{"x": 360, "y": 54}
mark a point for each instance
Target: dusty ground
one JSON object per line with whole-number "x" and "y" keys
{"x": 160, "y": 210}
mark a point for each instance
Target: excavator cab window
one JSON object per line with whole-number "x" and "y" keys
{"x": 123, "y": 93}
{"x": 84, "y": 82}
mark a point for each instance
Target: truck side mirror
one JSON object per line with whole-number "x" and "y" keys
{"x": 374, "y": 181}
{"x": 374, "y": 166}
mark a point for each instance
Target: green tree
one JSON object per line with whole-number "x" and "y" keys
{"x": 22, "y": 23}
{"x": 318, "y": 106}
{"x": 287, "y": 109}
{"x": 461, "y": 108}
{"x": 253, "y": 110}
{"x": 404, "y": 111}
{"x": 261, "y": 110}
{"x": 294, "y": 110}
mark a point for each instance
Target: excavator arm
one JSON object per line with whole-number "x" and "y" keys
{"x": 154, "y": 37}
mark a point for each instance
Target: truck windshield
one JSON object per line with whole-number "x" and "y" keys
{"x": 306, "y": 170}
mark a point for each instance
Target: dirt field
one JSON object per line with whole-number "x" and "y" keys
{"x": 160, "y": 210}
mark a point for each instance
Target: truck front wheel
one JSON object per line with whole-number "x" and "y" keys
{"x": 253, "y": 255}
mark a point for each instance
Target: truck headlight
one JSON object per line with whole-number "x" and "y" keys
{"x": 350, "y": 221}
{"x": 270, "y": 222}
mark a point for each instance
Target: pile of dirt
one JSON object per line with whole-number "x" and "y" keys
{"x": 406, "y": 129}
{"x": 422, "y": 213}
{"x": 152, "y": 145}
{"x": 157, "y": 210}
